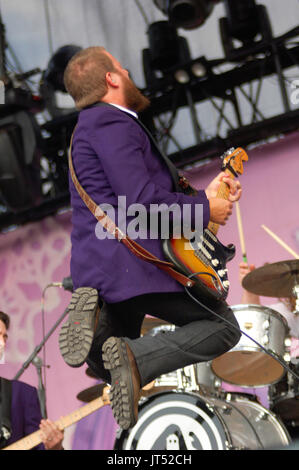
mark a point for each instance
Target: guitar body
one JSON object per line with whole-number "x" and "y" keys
{"x": 209, "y": 258}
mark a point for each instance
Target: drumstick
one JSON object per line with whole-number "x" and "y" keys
{"x": 283, "y": 244}
{"x": 241, "y": 233}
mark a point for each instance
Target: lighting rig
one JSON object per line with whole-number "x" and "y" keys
{"x": 251, "y": 55}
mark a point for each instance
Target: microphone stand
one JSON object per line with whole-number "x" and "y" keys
{"x": 41, "y": 389}
{"x": 39, "y": 347}
{"x": 67, "y": 284}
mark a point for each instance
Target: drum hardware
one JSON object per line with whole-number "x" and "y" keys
{"x": 224, "y": 409}
{"x": 296, "y": 295}
{"x": 187, "y": 379}
{"x": 207, "y": 382}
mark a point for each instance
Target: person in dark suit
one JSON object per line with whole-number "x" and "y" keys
{"x": 116, "y": 160}
{"x": 25, "y": 414}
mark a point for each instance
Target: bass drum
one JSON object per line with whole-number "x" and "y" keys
{"x": 184, "y": 421}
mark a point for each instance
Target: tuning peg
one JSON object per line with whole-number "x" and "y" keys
{"x": 228, "y": 152}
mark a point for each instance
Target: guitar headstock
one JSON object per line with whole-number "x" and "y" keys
{"x": 233, "y": 159}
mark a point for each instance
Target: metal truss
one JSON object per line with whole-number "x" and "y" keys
{"x": 225, "y": 90}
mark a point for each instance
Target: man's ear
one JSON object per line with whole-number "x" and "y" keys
{"x": 111, "y": 80}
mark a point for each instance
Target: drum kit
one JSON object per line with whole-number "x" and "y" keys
{"x": 189, "y": 409}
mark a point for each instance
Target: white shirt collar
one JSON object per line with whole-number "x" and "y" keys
{"x": 125, "y": 109}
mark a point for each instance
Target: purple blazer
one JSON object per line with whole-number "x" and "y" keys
{"x": 25, "y": 411}
{"x": 113, "y": 156}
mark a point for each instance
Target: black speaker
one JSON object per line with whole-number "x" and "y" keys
{"x": 20, "y": 183}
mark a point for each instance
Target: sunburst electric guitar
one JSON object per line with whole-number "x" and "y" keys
{"x": 208, "y": 256}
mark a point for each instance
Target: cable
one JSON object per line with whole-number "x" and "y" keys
{"x": 142, "y": 11}
{"x": 44, "y": 333}
{"x": 271, "y": 354}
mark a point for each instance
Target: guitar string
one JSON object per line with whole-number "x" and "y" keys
{"x": 271, "y": 354}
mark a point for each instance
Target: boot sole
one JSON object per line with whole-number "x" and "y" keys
{"x": 121, "y": 391}
{"x": 77, "y": 333}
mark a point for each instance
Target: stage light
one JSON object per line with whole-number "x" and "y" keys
{"x": 187, "y": 14}
{"x": 247, "y": 23}
{"x": 199, "y": 70}
{"x": 167, "y": 51}
{"x": 182, "y": 76}
{"x": 52, "y": 87}
{"x": 242, "y": 16}
{"x": 163, "y": 44}
{"x": 53, "y": 75}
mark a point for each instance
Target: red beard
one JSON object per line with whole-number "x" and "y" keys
{"x": 135, "y": 100}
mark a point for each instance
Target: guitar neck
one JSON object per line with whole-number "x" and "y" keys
{"x": 223, "y": 193}
{"x": 35, "y": 439}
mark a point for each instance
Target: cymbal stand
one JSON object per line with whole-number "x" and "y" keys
{"x": 296, "y": 294}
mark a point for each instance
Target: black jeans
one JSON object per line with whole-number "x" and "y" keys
{"x": 201, "y": 336}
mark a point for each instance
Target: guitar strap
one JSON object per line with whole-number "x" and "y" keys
{"x": 5, "y": 410}
{"x": 111, "y": 227}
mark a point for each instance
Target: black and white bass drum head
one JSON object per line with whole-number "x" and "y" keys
{"x": 178, "y": 420}
{"x": 174, "y": 421}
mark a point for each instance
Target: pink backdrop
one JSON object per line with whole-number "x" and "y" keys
{"x": 270, "y": 197}
{"x": 36, "y": 255}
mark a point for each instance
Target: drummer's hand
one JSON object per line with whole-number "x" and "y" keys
{"x": 245, "y": 269}
{"x": 234, "y": 187}
{"x": 247, "y": 297}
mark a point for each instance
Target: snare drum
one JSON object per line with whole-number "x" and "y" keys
{"x": 181, "y": 420}
{"x": 246, "y": 364}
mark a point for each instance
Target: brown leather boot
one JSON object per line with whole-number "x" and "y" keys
{"x": 76, "y": 335}
{"x": 125, "y": 381}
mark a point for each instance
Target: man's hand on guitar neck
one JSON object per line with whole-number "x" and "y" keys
{"x": 221, "y": 209}
{"x": 235, "y": 189}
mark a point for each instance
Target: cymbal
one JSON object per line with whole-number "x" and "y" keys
{"x": 96, "y": 391}
{"x": 91, "y": 393}
{"x": 90, "y": 373}
{"x": 151, "y": 322}
{"x": 273, "y": 280}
